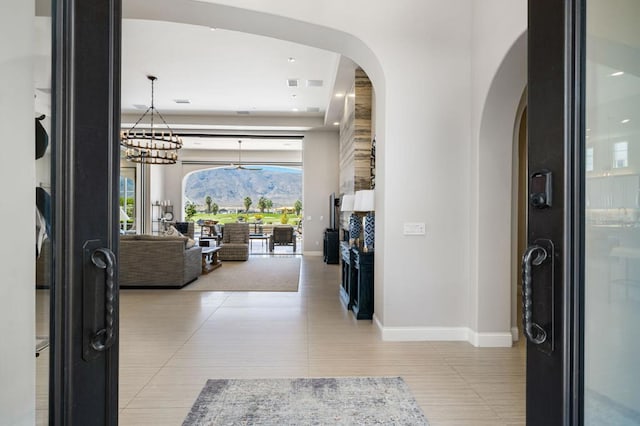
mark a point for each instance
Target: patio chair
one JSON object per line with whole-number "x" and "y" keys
{"x": 282, "y": 236}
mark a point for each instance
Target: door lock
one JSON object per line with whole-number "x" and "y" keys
{"x": 540, "y": 189}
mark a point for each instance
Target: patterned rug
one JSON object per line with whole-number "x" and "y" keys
{"x": 256, "y": 274}
{"x": 322, "y": 401}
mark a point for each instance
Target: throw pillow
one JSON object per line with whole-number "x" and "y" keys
{"x": 172, "y": 232}
{"x": 190, "y": 243}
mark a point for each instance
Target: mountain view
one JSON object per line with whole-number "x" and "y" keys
{"x": 227, "y": 188}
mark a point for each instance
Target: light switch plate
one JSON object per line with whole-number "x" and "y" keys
{"x": 414, "y": 228}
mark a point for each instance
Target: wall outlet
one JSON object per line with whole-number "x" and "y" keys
{"x": 414, "y": 228}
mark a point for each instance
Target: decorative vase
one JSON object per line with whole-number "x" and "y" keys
{"x": 369, "y": 231}
{"x": 355, "y": 228}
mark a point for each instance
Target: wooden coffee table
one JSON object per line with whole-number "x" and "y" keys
{"x": 210, "y": 260}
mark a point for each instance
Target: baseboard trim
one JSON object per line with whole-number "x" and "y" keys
{"x": 312, "y": 253}
{"x": 417, "y": 334}
{"x": 491, "y": 340}
{"x": 515, "y": 334}
{"x": 442, "y": 334}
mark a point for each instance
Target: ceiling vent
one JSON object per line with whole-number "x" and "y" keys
{"x": 182, "y": 101}
{"x": 315, "y": 83}
{"x": 292, "y": 82}
{"x": 313, "y": 109}
{"x": 242, "y": 112}
{"x": 140, "y": 106}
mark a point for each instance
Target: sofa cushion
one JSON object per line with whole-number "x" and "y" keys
{"x": 172, "y": 231}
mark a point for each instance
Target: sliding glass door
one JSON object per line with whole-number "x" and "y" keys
{"x": 581, "y": 270}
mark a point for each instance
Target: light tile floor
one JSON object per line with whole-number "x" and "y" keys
{"x": 172, "y": 341}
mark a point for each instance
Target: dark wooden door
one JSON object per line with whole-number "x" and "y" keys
{"x": 85, "y": 150}
{"x": 552, "y": 260}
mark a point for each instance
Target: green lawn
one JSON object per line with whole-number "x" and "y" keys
{"x": 233, "y": 217}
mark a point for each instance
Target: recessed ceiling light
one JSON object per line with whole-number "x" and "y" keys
{"x": 352, "y": 95}
{"x": 294, "y": 109}
{"x": 336, "y": 123}
{"x": 292, "y": 82}
{"x": 625, "y": 121}
{"x": 339, "y": 95}
{"x": 588, "y": 130}
{"x": 212, "y": 28}
{"x": 315, "y": 83}
{"x": 291, "y": 59}
{"x": 616, "y": 74}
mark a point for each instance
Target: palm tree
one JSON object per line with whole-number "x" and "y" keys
{"x": 269, "y": 205}
{"x": 247, "y": 204}
{"x": 262, "y": 204}
{"x": 297, "y": 206}
{"x": 208, "y": 202}
{"x": 190, "y": 210}
{"x": 215, "y": 208}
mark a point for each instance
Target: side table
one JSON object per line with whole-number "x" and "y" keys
{"x": 210, "y": 260}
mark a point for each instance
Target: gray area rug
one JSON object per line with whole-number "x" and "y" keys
{"x": 256, "y": 274}
{"x": 323, "y": 401}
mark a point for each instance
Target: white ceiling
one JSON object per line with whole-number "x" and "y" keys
{"x": 221, "y": 71}
{"x": 248, "y": 144}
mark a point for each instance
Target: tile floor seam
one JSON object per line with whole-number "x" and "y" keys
{"x": 174, "y": 353}
{"x": 471, "y": 387}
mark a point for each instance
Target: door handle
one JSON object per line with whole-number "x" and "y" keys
{"x": 103, "y": 258}
{"x": 535, "y": 255}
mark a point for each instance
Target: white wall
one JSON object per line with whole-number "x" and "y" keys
{"x": 432, "y": 64}
{"x": 499, "y": 78}
{"x": 17, "y": 174}
{"x": 321, "y": 151}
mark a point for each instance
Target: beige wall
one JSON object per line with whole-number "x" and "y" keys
{"x": 320, "y": 157}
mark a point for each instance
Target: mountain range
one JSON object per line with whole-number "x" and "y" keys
{"x": 229, "y": 187}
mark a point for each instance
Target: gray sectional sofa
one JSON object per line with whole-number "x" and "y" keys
{"x": 157, "y": 261}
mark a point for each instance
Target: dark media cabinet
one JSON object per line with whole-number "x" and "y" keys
{"x": 356, "y": 287}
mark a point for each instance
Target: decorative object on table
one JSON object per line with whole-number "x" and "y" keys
{"x": 151, "y": 146}
{"x": 366, "y": 202}
{"x": 306, "y": 401}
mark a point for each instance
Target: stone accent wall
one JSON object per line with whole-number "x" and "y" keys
{"x": 355, "y": 136}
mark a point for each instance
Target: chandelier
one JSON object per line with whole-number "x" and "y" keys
{"x": 151, "y": 146}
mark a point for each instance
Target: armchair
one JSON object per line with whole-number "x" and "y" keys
{"x": 235, "y": 242}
